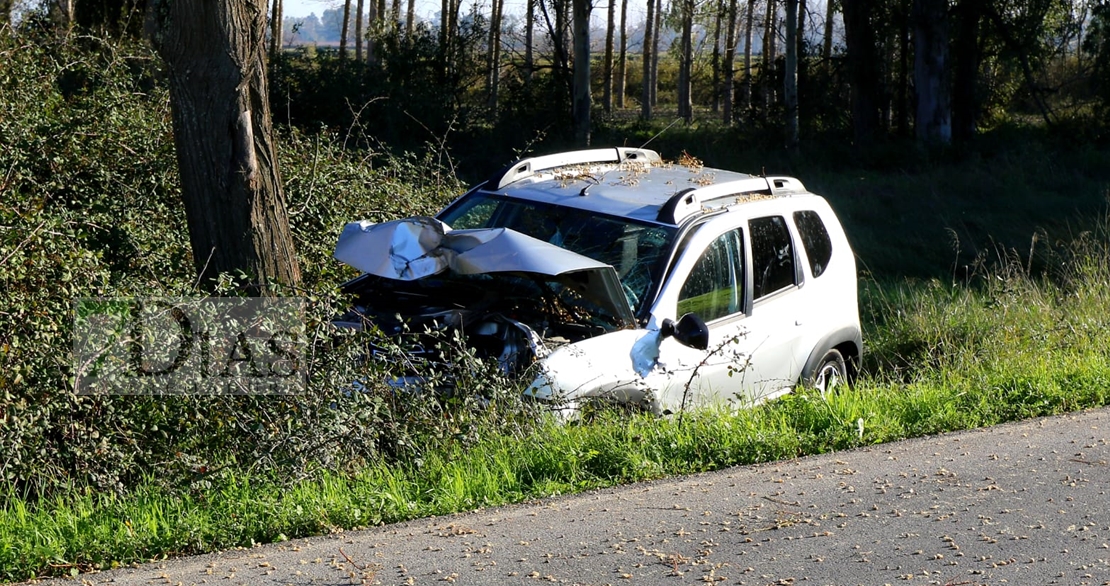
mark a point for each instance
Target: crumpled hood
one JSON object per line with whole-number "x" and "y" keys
{"x": 419, "y": 247}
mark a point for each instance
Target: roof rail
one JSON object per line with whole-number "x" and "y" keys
{"x": 689, "y": 201}
{"x": 528, "y": 167}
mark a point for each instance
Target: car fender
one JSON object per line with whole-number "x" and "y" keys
{"x": 849, "y": 334}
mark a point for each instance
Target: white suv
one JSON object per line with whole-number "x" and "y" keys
{"x": 609, "y": 274}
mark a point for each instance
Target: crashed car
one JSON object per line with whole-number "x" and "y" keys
{"x": 611, "y": 275}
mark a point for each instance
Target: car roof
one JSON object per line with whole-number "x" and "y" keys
{"x": 635, "y": 184}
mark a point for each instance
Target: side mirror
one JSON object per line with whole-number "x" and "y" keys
{"x": 689, "y": 331}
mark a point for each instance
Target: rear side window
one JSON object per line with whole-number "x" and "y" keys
{"x": 772, "y": 256}
{"x": 815, "y": 239}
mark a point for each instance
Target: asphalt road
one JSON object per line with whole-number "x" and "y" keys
{"x": 1023, "y": 503}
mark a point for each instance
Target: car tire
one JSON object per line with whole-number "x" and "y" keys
{"x": 831, "y": 372}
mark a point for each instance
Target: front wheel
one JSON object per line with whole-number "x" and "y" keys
{"x": 830, "y": 373}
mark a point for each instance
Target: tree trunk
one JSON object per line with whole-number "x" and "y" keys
{"x": 371, "y": 38}
{"x": 655, "y": 53}
{"x": 622, "y": 60}
{"x": 649, "y": 25}
{"x": 395, "y": 14}
{"x": 965, "y": 104}
{"x": 902, "y": 83}
{"x": 790, "y": 75}
{"x": 63, "y": 13}
{"x": 686, "y": 61}
{"x": 410, "y": 20}
{"x": 826, "y": 48}
{"x": 767, "y": 65}
{"x": 276, "y": 21}
{"x": 716, "y": 58}
{"x": 359, "y": 8}
{"x": 863, "y": 70}
{"x": 607, "y": 65}
{"x": 729, "y": 63}
{"x": 230, "y": 183}
{"x": 749, "y": 27}
{"x": 495, "y": 55}
{"x": 930, "y": 49}
{"x": 581, "y": 109}
{"x": 343, "y": 31}
{"x": 529, "y": 40}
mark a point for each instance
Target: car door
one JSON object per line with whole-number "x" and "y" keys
{"x": 741, "y": 280}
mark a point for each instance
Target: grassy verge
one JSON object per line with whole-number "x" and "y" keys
{"x": 943, "y": 358}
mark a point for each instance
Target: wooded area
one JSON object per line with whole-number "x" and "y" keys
{"x": 936, "y": 70}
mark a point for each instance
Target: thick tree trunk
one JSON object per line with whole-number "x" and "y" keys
{"x": 607, "y": 65}
{"x": 863, "y": 70}
{"x": 581, "y": 110}
{"x": 359, "y": 35}
{"x": 965, "y": 103}
{"x": 729, "y": 63}
{"x": 930, "y": 44}
{"x": 344, "y": 31}
{"x": 622, "y": 59}
{"x": 276, "y": 29}
{"x": 215, "y": 59}
{"x": 410, "y": 20}
{"x": 649, "y": 31}
{"x": 790, "y": 75}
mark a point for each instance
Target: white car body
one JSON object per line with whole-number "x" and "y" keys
{"x": 764, "y": 259}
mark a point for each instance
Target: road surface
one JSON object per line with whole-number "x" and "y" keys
{"x": 1022, "y": 503}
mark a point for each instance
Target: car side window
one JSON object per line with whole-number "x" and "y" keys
{"x": 715, "y": 288}
{"x": 772, "y": 256}
{"x": 815, "y": 240}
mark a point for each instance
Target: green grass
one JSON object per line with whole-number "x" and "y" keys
{"x": 942, "y": 358}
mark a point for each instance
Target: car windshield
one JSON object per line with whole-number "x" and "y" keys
{"x": 635, "y": 250}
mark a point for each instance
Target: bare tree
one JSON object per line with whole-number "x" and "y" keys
{"x": 215, "y": 52}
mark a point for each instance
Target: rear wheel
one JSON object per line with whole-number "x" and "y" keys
{"x": 830, "y": 373}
